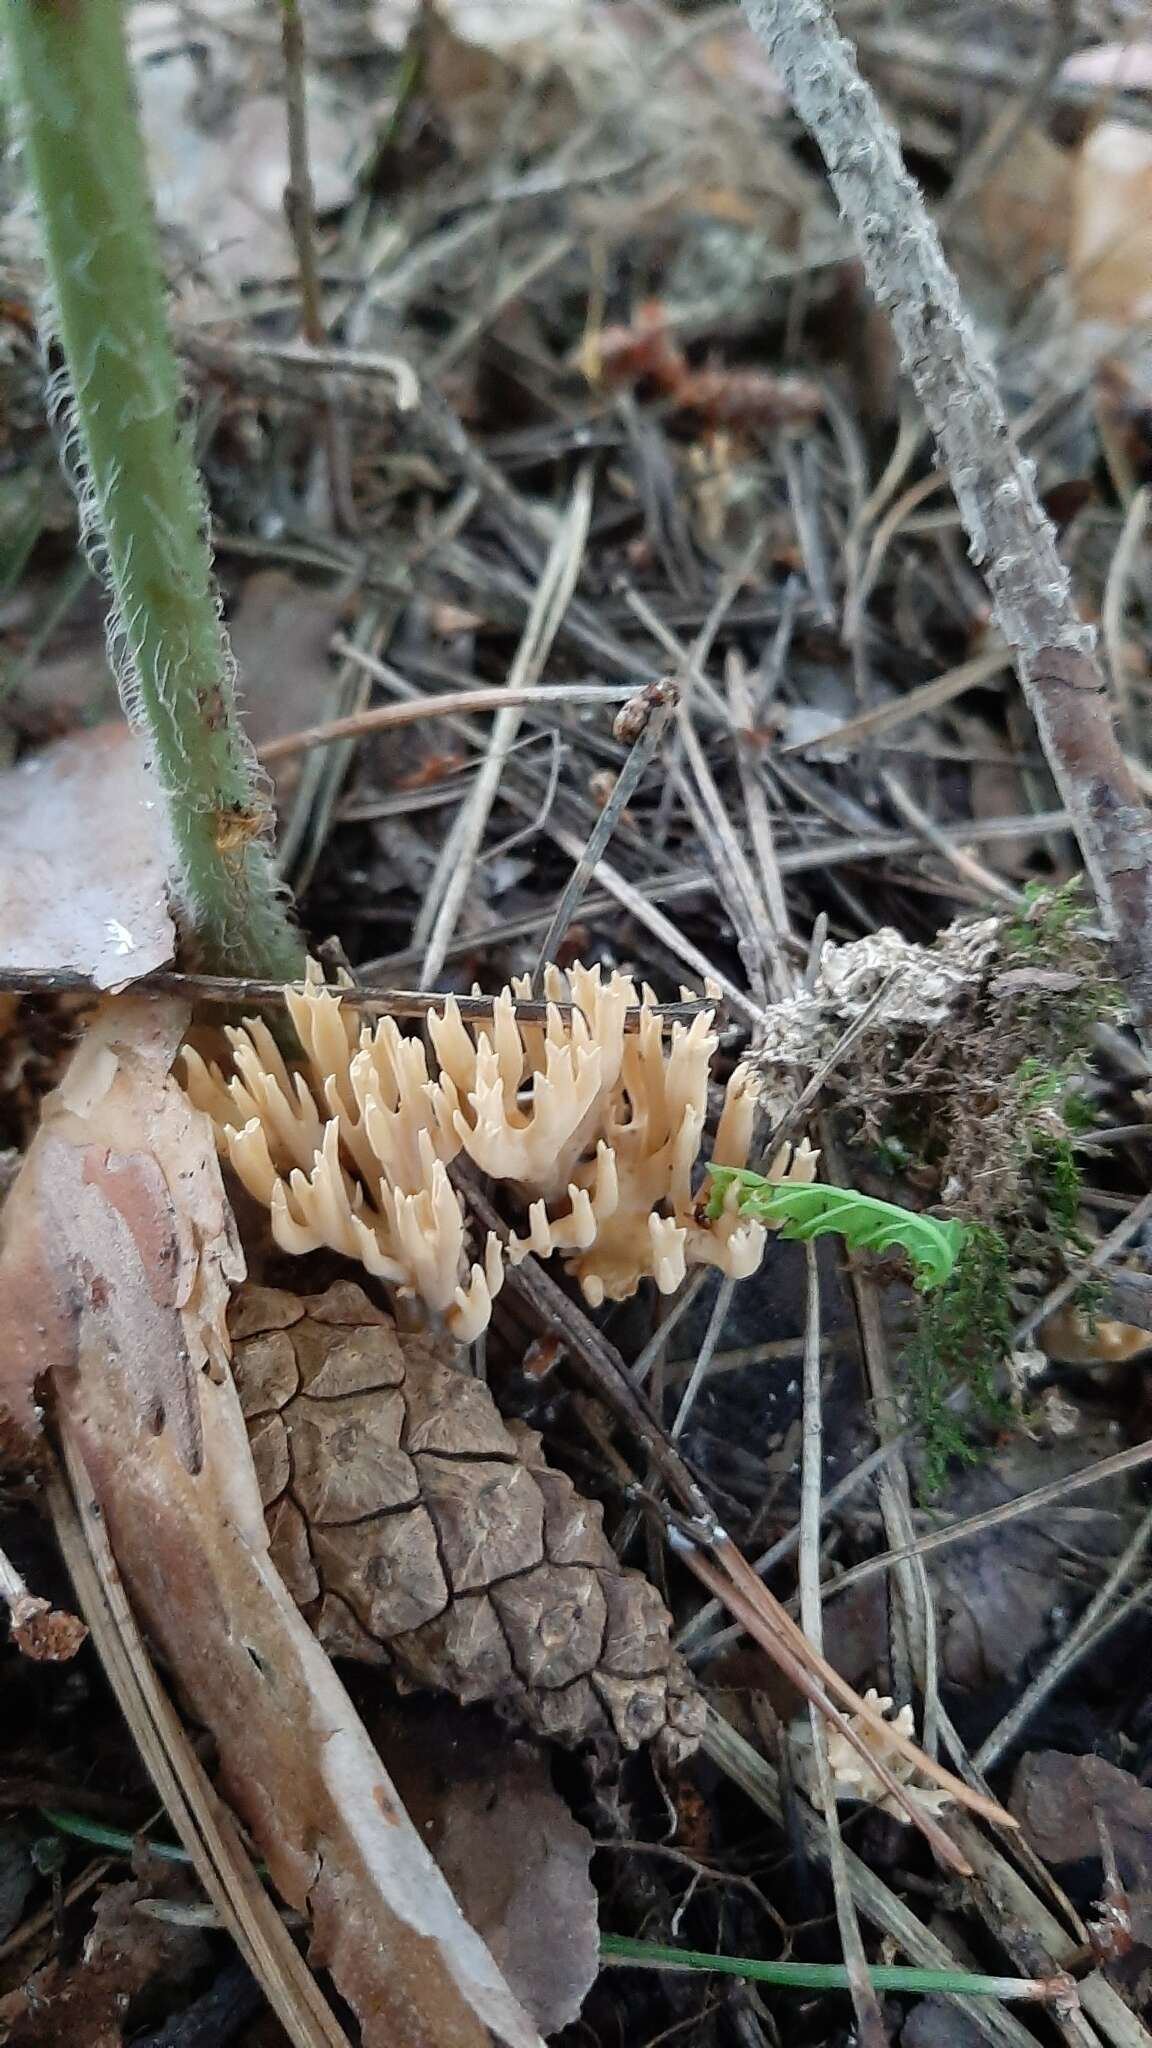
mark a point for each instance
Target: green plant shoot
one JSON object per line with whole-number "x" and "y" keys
{"x": 809, "y": 1210}
{"x": 142, "y": 509}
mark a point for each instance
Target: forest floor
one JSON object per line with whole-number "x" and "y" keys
{"x": 590, "y": 396}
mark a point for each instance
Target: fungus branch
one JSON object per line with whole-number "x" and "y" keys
{"x": 597, "y": 1130}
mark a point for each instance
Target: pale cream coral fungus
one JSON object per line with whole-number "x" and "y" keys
{"x": 855, "y": 1779}
{"x": 597, "y": 1128}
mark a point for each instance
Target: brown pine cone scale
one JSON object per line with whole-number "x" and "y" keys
{"x": 413, "y": 1525}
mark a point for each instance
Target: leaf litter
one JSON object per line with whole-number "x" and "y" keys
{"x": 799, "y": 572}
{"x": 122, "y": 1184}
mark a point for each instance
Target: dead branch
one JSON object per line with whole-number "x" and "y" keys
{"x": 994, "y": 485}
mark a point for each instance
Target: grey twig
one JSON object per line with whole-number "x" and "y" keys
{"x": 240, "y": 991}
{"x": 299, "y": 197}
{"x": 644, "y": 720}
{"x": 870, "y": 2026}
{"x": 994, "y": 485}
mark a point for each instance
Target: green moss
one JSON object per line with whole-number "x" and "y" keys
{"x": 964, "y": 1333}
{"x": 962, "y": 1337}
{"x": 1048, "y": 918}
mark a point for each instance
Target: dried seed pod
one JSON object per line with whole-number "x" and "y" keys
{"x": 413, "y": 1525}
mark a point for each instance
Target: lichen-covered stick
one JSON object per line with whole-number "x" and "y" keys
{"x": 1009, "y": 534}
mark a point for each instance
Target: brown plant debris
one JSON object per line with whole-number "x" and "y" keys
{"x": 117, "y": 1255}
{"x": 39, "y": 1630}
{"x": 43, "y": 1632}
{"x": 411, "y": 1522}
{"x": 516, "y": 1859}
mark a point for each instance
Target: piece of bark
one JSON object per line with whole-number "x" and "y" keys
{"x": 118, "y": 1256}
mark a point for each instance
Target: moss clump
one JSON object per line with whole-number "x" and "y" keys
{"x": 963, "y": 1334}
{"x": 1000, "y": 1123}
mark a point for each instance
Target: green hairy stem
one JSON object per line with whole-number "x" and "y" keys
{"x": 142, "y": 507}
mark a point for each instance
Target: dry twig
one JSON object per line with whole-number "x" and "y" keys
{"x": 994, "y": 486}
{"x": 869, "y": 2019}
{"x": 38, "y": 1630}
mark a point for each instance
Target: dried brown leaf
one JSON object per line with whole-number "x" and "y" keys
{"x": 1111, "y": 225}
{"x": 1074, "y": 1808}
{"x": 1023, "y": 208}
{"x": 58, "y": 906}
{"x": 517, "y": 1861}
{"x": 998, "y": 1595}
{"x": 114, "y": 1277}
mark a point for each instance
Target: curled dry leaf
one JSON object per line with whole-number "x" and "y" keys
{"x": 516, "y": 1859}
{"x": 107, "y": 918}
{"x": 115, "y": 1270}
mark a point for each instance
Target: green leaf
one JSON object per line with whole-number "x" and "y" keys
{"x": 806, "y": 1210}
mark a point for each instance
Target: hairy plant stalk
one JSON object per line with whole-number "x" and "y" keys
{"x": 142, "y": 508}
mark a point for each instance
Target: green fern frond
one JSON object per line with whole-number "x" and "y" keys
{"x": 806, "y": 1210}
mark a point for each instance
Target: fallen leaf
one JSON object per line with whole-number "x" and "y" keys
{"x": 1069, "y": 1805}
{"x": 1110, "y": 247}
{"x": 119, "y": 1250}
{"x": 473, "y": 67}
{"x": 997, "y": 1595}
{"x": 1115, "y": 67}
{"x": 484, "y": 1801}
{"x": 1023, "y": 208}
{"x": 704, "y": 101}
{"x": 219, "y": 157}
{"x": 281, "y": 630}
{"x": 60, "y": 907}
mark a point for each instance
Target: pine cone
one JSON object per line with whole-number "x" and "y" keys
{"x": 414, "y": 1526}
